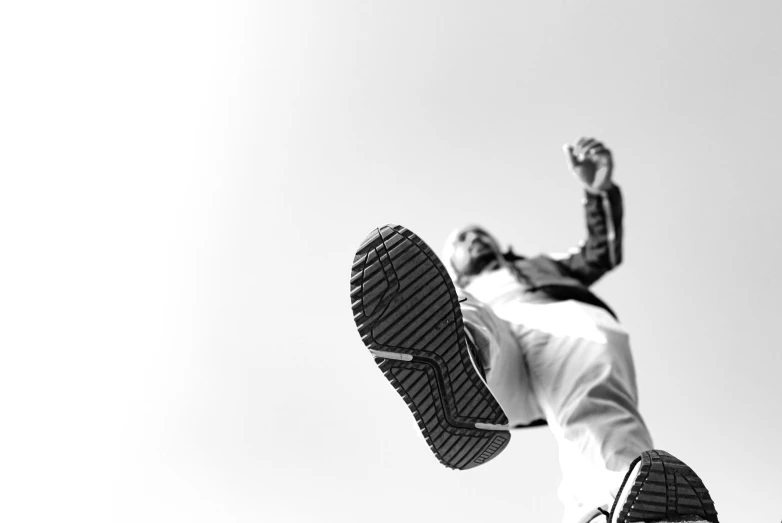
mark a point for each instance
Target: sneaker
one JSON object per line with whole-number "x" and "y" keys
{"x": 408, "y": 315}
{"x": 659, "y": 487}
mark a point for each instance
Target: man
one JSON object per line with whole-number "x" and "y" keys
{"x": 523, "y": 342}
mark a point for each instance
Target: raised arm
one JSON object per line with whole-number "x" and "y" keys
{"x": 592, "y": 164}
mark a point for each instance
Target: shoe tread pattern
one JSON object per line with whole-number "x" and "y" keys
{"x": 666, "y": 489}
{"x": 404, "y": 302}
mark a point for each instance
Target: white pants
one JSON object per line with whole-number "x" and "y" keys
{"x": 570, "y": 363}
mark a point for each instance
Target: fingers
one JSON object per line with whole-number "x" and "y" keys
{"x": 570, "y": 156}
{"x": 588, "y": 148}
{"x": 584, "y": 143}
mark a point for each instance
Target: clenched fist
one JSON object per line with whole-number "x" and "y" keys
{"x": 591, "y": 163}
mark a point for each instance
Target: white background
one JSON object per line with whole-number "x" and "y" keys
{"x": 184, "y": 185}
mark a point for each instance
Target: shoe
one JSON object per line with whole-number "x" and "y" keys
{"x": 408, "y": 315}
{"x": 659, "y": 487}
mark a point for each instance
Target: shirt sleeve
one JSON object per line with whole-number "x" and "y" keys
{"x": 602, "y": 249}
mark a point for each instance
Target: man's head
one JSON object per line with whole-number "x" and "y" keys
{"x": 469, "y": 251}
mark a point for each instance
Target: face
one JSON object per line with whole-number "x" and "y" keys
{"x": 474, "y": 250}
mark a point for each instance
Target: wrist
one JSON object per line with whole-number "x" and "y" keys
{"x": 602, "y": 188}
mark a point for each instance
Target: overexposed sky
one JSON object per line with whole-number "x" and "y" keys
{"x": 184, "y": 185}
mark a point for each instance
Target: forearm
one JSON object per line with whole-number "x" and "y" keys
{"x": 602, "y": 249}
{"x": 604, "y": 214}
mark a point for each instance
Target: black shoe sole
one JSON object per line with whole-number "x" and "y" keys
{"x": 665, "y": 489}
{"x": 408, "y": 315}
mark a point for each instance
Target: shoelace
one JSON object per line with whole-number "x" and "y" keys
{"x": 598, "y": 517}
{"x": 472, "y": 351}
{"x": 622, "y": 487}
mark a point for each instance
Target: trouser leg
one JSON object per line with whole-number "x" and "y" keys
{"x": 586, "y": 386}
{"x": 573, "y": 366}
{"x": 503, "y": 360}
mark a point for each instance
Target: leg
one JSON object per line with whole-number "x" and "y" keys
{"x": 584, "y": 379}
{"x": 503, "y": 362}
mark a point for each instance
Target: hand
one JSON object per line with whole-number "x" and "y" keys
{"x": 591, "y": 163}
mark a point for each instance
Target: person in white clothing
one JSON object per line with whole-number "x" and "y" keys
{"x": 487, "y": 341}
